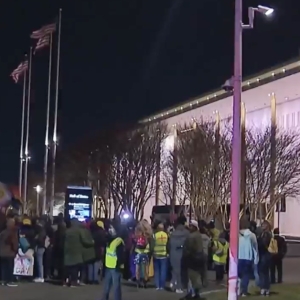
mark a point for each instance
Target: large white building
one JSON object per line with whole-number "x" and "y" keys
{"x": 284, "y": 82}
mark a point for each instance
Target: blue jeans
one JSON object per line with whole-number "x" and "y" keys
{"x": 113, "y": 279}
{"x": 93, "y": 271}
{"x": 244, "y": 272}
{"x": 160, "y": 272}
{"x": 264, "y": 271}
{"x": 40, "y": 262}
{"x": 256, "y": 275}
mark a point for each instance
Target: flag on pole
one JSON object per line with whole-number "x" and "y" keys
{"x": 5, "y": 195}
{"x": 42, "y": 32}
{"x": 20, "y": 70}
{"x": 42, "y": 43}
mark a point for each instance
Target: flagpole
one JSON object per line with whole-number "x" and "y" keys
{"x": 22, "y": 135}
{"x": 55, "y": 118}
{"x": 47, "y": 129}
{"x": 27, "y": 156}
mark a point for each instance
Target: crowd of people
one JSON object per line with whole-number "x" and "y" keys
{"x": 78, "y": 253}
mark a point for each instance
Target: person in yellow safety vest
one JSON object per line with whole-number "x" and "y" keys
{"x": 214, "y": 232}
{"x": 114, "y": 265}
{"x": 220, "y": 252}
{"x": 160, "y": 257}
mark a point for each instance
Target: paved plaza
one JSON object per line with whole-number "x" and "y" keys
{"x": 34, "y": 291}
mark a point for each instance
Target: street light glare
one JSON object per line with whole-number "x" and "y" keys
{"x": 38, "y": 188}
{"x": 265, "y": 10}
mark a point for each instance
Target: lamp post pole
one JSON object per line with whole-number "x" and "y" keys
{"x": 236, "y": 154}
{"x": 237, "y": 141}
{"x": 38, "y": 189}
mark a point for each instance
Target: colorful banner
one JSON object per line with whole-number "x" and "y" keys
{"x": 5, "y": 195}
{"x": 23, "y": 265}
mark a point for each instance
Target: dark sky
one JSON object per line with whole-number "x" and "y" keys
{"x": 124, "y": 59}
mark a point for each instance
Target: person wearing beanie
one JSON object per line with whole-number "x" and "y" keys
{"x": 193, "y": 257}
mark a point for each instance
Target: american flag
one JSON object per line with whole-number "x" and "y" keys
{"x": 44, "y": 31}
{"x": 42, "y": 43}
{"x": 20, "y": 70}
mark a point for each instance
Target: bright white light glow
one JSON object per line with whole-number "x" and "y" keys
{"x": 126, "y": 216}
{"x": 265, "y": 10}
{"x": 38, "y": 189}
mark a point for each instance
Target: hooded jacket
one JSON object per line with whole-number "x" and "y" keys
{"x": 248, "y": 247}
{"x": 177, "y": 240}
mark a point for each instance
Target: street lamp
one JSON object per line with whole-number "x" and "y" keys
{"x": 38, "y": 190}
{"x": 236, "y": 140}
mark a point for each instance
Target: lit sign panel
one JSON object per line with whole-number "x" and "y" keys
{"x": 78, "y": 203}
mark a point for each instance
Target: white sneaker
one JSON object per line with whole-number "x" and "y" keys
{"x": 179, "y": 291}
{"x": 11, "y": 284}
{"x": 39, "y": 280}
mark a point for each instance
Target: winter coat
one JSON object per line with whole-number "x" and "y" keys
{"x": 193, "y": 251}
{"x": 73, "y": 246}
{"x": 263, "y": 241}
{"x": 40, "y": 237}
{"x": 9, "y": 243}
{"x": 88, "y": 245}
{"x": 176, "y": 242}
{"x": 99, "y": 236}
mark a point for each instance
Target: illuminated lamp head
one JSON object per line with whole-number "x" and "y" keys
{"x": 125, "y": 216}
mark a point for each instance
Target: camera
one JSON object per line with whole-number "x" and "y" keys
{"x": 228, "y": 85}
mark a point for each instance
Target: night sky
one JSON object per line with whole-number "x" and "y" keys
{"x": 125, "y": 59}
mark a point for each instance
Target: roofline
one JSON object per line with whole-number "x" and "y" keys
{"x": 281, "y": 71}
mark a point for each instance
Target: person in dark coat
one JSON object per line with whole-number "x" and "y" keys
{"x": 58, "y": 250}
{"x": 88, "y": 252}
{"x": 40, "y": 247}
{"x": 8, "y": 250}
{"x": 73, "y": 248}
{"x": 264, "y": 240}
{"x": 276, "y": 262}
{"x": 177, "y": 240}
{"x": 99, "y": 237}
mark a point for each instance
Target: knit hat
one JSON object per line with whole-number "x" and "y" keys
{"x": 194, "y": 223}
{"x": 100, "y": 224}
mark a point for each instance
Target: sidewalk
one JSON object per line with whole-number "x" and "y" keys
{"x": 34, "y": 291}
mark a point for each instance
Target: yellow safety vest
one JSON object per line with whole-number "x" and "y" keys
{"x": 221, "y": 259}
{"x": 111, "y": 253}
{"x": 160, "y": 244}
{"x": 146, "y": 250}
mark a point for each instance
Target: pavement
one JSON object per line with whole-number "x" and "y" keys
{"x": 46, "y": 291}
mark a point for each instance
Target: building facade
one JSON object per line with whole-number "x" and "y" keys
{"x": 284, "y": 83}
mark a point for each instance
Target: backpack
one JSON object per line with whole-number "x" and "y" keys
{"x": 141, "y": 242}
{"x": 24, "y": 244}
{"x": 273, "y": 246}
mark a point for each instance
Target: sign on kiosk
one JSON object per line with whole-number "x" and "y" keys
{"x": 78, "y": 202}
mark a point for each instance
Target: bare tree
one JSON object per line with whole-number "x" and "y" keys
{"x": 99, "y": 174}
{"x": 287, "y": 174}
{"x": 134, "y": 167}
{"x": 207, "y": 180}
{"x": 167, "y": 184}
